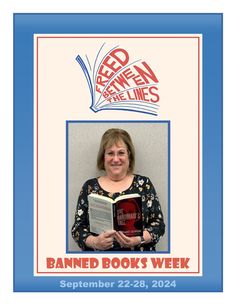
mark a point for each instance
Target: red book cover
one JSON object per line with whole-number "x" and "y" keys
{"x": 128, "y": 216}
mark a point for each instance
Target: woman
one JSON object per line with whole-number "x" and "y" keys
{"x": 116, "y": 157}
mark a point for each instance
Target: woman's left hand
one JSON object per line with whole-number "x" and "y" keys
{"x": 125, "y": 241}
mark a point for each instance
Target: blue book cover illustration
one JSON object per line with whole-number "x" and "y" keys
{"x": 116, "y": 81}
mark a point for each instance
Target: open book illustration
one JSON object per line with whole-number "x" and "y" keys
{"x": 117, "y": 82}
{"x": 122, "y": 214}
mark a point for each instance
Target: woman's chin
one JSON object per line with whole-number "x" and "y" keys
{"x": 116, "y": 173}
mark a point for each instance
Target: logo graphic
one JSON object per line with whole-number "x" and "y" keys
{"x": 116, "y": 82}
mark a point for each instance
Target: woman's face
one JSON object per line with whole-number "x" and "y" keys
{"x": 116, "y": 160}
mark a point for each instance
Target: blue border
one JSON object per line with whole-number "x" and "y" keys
{"x": 211, "y": 27}
{"x": 67, "y": 167}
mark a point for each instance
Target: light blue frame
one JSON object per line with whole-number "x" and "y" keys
{"x": 211, "y": 28}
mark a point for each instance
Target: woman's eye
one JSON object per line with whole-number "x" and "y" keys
{"x": 110, "y": 154}
{"x": 121, "y": 153}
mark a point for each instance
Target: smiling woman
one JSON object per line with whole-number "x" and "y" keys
{"x": 116, "y": 157}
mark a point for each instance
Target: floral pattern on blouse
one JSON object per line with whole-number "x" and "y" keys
{"x": 153, "y": 220}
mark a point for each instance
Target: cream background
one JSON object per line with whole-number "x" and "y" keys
{"x": 63, "y": 95}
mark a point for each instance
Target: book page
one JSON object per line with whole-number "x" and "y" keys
{"x": 100, "y": 215}
{"x": 127, "y": 196}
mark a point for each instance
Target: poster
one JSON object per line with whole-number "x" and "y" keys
{"x": 147, "y": 73}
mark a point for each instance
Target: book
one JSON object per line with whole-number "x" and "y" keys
{"x": 117, "y": 81}
{"x": 122, "y": 214}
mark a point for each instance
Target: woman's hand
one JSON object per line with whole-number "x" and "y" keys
{"x": 125, "y": 241}
{"x": 103, "y": 241}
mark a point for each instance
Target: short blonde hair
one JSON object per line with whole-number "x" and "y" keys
{"x": 114, "y": 136}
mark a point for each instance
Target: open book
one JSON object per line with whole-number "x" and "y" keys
{"x": 118, "y": 82}
{"x": 122, "y": 214}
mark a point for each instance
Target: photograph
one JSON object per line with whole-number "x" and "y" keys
{"x": 128, "y": 158}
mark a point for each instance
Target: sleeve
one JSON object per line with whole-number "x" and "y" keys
{"x": 154, "y": 220}
{"x": 80, "y": 228}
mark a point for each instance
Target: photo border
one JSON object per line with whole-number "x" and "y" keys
{"x": 168, "y": 123}
{"x": 210, "y": 25}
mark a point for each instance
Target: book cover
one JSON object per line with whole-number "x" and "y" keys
{"x": 122, "y": 214}
{"x": 128, "y": 216}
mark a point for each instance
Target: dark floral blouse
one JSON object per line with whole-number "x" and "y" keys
{"x": 152, "y": 215}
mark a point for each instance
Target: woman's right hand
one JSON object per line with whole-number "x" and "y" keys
{"x": 103, "y": 241}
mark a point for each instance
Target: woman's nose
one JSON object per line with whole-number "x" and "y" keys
{"x": 116, "y": 157}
